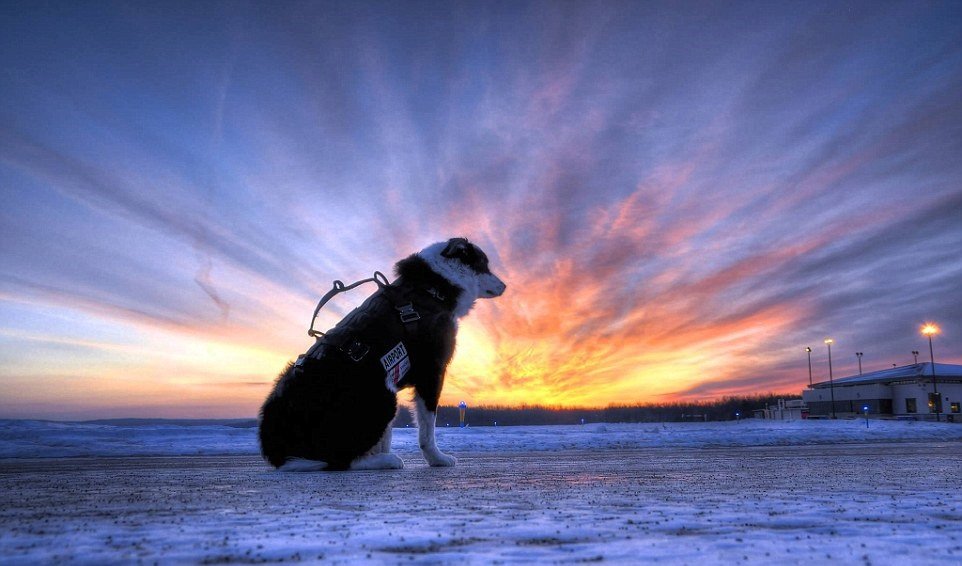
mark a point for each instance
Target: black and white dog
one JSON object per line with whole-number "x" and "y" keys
{"x": 334, "y": 408}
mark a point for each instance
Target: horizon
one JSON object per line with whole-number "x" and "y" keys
{"x": 406, "y": 405}
{"x": 680, "y": 198}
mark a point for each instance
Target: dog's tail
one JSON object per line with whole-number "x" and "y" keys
{"x": 302, "y": 465}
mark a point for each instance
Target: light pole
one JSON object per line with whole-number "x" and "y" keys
{"x": 928, "y": 330}
{"x": 859, "y": 356}
{"x": 809, "y": 350}
{"x": 915, "y": 354}
{"x": 831, "y": 381}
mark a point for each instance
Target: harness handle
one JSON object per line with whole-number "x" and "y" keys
{"x": 339, "y": 287}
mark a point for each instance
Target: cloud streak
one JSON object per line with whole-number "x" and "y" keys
{"x": 679, "y": 203}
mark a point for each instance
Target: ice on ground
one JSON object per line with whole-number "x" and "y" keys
{"x": 44, "y": 439}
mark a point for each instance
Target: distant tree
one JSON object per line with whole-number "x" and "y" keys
{"x": 723, "y": 409}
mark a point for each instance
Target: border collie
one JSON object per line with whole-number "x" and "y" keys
{"x": 334, "y": 408}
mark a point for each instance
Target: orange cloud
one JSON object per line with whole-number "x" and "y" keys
{"x": 586, "y": 326}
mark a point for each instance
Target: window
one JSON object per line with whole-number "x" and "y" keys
{"x": 910, "y": 405}
{"x": 935, "y": 403}
{"x": 954, "y": 407}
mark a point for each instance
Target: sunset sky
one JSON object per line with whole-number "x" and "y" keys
{"x": 681, "y": 196}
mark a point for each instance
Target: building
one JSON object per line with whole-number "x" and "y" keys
{"x": 906, "y": 391}
{"x": 790, "y": 410}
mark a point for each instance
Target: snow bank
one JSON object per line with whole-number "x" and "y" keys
{"x": 42, "y": 439}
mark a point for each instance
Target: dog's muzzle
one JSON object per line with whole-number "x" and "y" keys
{"x": 495, "y": 290}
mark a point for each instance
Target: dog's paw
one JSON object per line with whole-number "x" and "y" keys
{"x": 392, "y": 461}
{"x": 302, "y": 465}
{"x": 441, "y": 460}
{"x": 384, "y": 461}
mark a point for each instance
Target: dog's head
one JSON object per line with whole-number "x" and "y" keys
{"x": 465, "y": 266}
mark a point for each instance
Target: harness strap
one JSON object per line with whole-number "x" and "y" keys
{"x": 386, "y": 298}
{"x": 339, "y": 287}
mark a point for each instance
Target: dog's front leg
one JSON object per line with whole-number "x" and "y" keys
{"x": 384, "y": 446}
{"x": 428, "y": 444}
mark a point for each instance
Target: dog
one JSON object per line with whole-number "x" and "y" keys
{"x": 334, "y": 408}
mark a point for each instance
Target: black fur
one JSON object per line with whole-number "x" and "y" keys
{"x": 334, "y": 409}
{"x": 468, "y": 254}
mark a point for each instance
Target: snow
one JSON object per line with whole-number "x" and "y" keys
{"x": 45, "y": 439}
{"x": 749, "y": 492}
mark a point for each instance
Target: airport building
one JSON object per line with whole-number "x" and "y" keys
{"x": 910, "y": 391}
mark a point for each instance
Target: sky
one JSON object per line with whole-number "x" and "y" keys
{"x": 680, "y": 196}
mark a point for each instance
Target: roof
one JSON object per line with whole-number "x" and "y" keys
{"x": 901, "y": 373}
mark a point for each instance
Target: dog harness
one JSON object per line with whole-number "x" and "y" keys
{"x": 381, "y": 323}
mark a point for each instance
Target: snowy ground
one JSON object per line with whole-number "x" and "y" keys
{"x": 44, "y": 439}
{"x": 790, "y": 495}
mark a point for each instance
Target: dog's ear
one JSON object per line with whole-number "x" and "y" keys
{"x": 456, "y": 247}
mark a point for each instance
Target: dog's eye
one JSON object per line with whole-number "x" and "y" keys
{"x": 468, "y": 255}
{"x": 482, "y": 260}
{"x": 479, "y": 261}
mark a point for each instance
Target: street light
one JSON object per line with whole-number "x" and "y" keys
{"x": 928, "y": 329}
{"x": 809, "y": 350}
{"x": 831, "y": 381}
{"x": 915, "y": 353}
{"x": 859, "y": 356}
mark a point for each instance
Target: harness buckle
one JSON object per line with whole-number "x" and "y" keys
{"x": 407, "y": 313}
{"x": 356, "y": 350}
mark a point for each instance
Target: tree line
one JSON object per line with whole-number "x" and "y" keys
{"x": 724, "y": 409}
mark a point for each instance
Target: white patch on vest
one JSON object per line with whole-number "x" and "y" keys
{"x": 396, "y": 365}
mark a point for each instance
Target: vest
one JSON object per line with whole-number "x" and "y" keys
{"x": 385, "y": 325}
